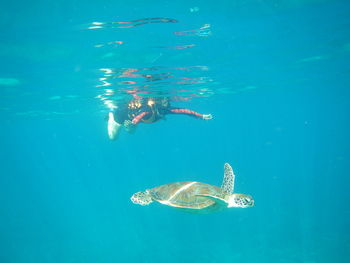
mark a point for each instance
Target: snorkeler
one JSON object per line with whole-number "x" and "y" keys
{"x": 147, "y": 110}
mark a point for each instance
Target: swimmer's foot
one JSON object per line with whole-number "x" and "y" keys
{"x": 113, "y": 127}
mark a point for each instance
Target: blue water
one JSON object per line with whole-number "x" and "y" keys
{"x": 275, "y": 76}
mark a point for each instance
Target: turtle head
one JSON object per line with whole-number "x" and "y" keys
{"x": 142, "y": 198}
{"x": 240, "y": 200}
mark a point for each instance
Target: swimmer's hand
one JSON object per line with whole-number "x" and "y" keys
{"x": 129, "y": 126}
{"x": 207, "y": 117}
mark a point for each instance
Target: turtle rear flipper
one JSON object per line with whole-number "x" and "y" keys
{"x": 228, "y": 183}
{"x": 141, "y": 198}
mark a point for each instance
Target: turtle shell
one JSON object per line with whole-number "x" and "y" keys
{"x": 183, "y": 194}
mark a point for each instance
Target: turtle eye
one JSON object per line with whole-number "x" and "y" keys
{"x": 249, "y": 202}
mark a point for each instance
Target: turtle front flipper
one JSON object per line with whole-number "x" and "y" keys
{"x": 141, "y": 198}
{"x": 229, "y": 180}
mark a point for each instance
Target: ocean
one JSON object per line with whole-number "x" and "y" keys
{"x": 274, "y": 75}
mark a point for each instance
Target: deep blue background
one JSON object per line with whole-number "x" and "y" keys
{"x": 280, "y": 102}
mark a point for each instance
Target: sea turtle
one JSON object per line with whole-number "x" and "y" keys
{"x": 195, "y": 196}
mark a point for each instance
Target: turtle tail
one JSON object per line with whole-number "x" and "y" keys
{"x": 141, "y": 198}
